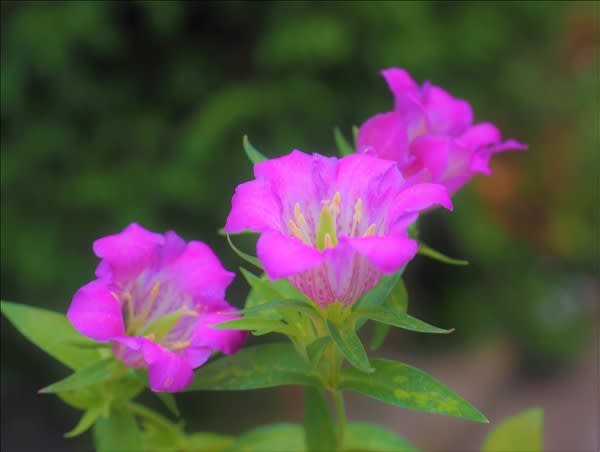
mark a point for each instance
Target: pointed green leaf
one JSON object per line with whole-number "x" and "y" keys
{"x": 349, "y": 344}
{"x": 262, "y": 366}
{"x": 401, "y": 320}
{"x": 255, "y": 324}
{"x": 84, "y": 398}
{"x": 433, "y": 254}
{"x": 279, "y": 306}
{"x": 380, "y": 293}
{"x": 51, "y": 332}
{"x": 342, "y": 144}
{"x": 253, "y": 154}
{"x": 87, "y": 420}
{"x": 250, "y": 259}
{"x": 84, "y": 377}
{"x": 355, "y": 131}
{"x": 116, "y": 432}
{"x": 380, "y": 332}
{"x": 282, "y": 437}
{"x": 261, "y": 287}
{"x": 364, "y": 437}
{"x": 319, "y": 429}
{"x": 407, "y": 387}
{"x": 168, "y": 401}
{"x": 316, "y": 348}
{"x": 521, "y": 432}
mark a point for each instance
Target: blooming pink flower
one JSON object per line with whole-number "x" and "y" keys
{"x": 331, "y": 226}
{"x": 431, "y": 134}
{"x": 155, "y": 299}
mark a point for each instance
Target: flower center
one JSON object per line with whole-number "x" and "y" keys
{"x": 332, "y": 223}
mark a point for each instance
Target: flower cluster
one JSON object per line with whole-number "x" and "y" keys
{"x": 155, "y": 298}
{"x": 430, "y": 134}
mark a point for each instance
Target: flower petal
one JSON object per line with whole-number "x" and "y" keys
{"x": 128, "y": 252}
{"x": 253, "y": 207}
{"x": 96, "y": 313}
{"x": 167, "y": 371}
{"x": 282, "y": 255}
{"x": 386, "y": 133}
{"x": 446, "y": 114}
{"x": 226, "y": 341}
{"x": 198, "y": 272}
{"x": 388, "y": 254}
{"x": 431, "y": 153}
{"x": 419, "y": 197}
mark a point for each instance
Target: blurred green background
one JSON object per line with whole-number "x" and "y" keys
{"x": 113, "y": 112}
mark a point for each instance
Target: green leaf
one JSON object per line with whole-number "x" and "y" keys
{"x": 258, "y": 325}
{"x": 117, "y": 432}
{"x": 281, "y": 437}
{"x": 380, "y": 293}
{"x": 521, "y": 432}
{"x": 209, "y": 442}
{"x": 51, "y": 332}
{"x": 262, "y": 366}
{"x": 87, "y": 420}
{"x": 84, "y": 377}
{"x": 380, "y": 332}
{"x": 84, "y": 398}
{"x": 349, "y": 344}
{"x": 262, "y": 287}
{"x": 168, "y": 401}
{"x": 433, "y": 254}
{"x": 250, "y": 259}
{"x": 361, "y": 436}
{"x": 279, "y": 306}
{"x": 319, "y": 429}
{"x": 402, "y": 320}
{"x": 316, "y": 349}
{"x": 407, "y": 387}
{"x": 342, "y": 144}
{"x": 253, "y": 154}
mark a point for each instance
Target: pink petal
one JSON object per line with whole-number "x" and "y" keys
{"x": 198, "y": 272}
{"x": 431, "y": 152}
{"x": 282, "y": 255}
{"x": 95, "y": 312}
{"x": 226, "y": 341}
{"x": 129, "y": 252}
{"x": 129, "y": 349}
{"x": 446, "y": 114}
{"x": 420, "y": 197}
{"x": 387, "y": 134}
{"x": 388, "y": 254}
{"x": 253, "y": 207}
{"x": 167, "y": 371}
{"x": 399, "y": 81}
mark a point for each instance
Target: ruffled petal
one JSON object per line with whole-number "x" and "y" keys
{"x": 388, "y": 254}
{"x": 282, "y": 255}
{"x": 446, "y": 114}
{"x": 419, "y": 197}
{"x": 167, "y": 371}
{"x": 96, "y": 313}
{"x": 253, "y": 207}
{"x": 386, "y": 133}
{"x": 129, "y": 349}
{"x": 198, "y": 272}
{"x": 226, "y": 341}
{"x": 431, "y": 153}
{"x": 129, "y": 252}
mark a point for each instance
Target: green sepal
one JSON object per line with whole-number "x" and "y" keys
{"x": 350, "y": 345}
{"x": 424, "y": 250}
{"x": 168, "y": 400}
{"x": 117, "y": 431}
{"x": 316, "y": 348}
{"x": 380, "y": 293}
{"x": 408, "y": 387}
{"x": 344, "y": 147}
{"x": 380, "y": 332}
{"x": 261, "y": 366}
{"x": 257, "y": 325}
{"x": 319, "y": 431}
{"x": 52, "y": 332}
{"x": 245, "y": 256}
{"x": 523, "y": 431}
{"x": 209, "y": 442}
{"x": 275, "y": 437}
{"x": 84, "y": 377}
{"x": 87, "y": 420}
{"x": 251, "y": 152}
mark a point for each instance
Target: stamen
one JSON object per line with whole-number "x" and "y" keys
{"x": 179, "y": 345}
{"x": 357, "y": 217}
{"x": 301, "y": 221}
{"x": 335, "y": 204}
{"x": 328, "y": 243}
{"x": 295, "y": 229}
{"x": 370, "y": 230}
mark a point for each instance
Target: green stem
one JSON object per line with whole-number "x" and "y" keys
{"x": 340, "y": 411}
{"x": 153, "y": 417}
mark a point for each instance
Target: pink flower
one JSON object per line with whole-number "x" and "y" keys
{"x": 155, "y": 299}
{"x": 431, "y": 134}
{"x": 331, "y": 226}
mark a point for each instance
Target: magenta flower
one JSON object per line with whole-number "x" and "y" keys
{"x": 331, "y": 226}
{"x": 155, "y": 299}
{"x": 431, "y": 134}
